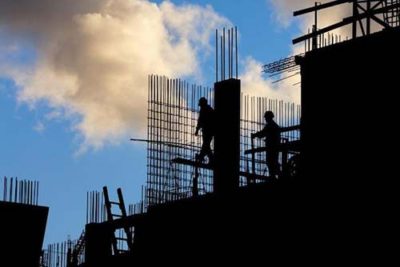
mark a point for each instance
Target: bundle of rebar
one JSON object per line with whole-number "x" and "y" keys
{"x": 20, "y": 191}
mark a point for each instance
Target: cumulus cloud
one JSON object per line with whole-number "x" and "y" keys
{"x": 88, "y": 60}
{"x": 285, "y": 8}
{"x": 284, "y": 15}
{"x": 92, "y": 57}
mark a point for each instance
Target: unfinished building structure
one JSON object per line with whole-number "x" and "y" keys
{"x": 233, "y": 209}
{"x": 23, "y": 223}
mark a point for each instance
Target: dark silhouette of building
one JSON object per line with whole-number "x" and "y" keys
{"x": 318, "y": 212}
{"x": 301, "y": 217}
{"x": 23, "y": 224}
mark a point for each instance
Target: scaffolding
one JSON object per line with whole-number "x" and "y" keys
{"x": 172, "y": 121}
{"x": 392, "y": 15}
{"x": 172, "y": 145}
{"x": 287, "y": 116}
{"x": 61, "y": 255}
{"x": 383, "y": 13}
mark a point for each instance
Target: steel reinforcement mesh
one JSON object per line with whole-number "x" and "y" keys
{"x": 172, "y": 120}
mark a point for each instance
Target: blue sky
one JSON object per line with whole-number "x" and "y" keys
{"x": 36, "y": 148}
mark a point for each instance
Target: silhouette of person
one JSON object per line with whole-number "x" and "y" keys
{"x": 272, "y": 134}
{"x": 207, "y": 125}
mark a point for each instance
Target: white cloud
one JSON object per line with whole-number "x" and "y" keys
{"x": 285, "y": 8}
{"x": 93, "y": 57}
{"x": 254, "y": 83}
{"x": 39, "y": 127}
{"x": 284, "y": 15}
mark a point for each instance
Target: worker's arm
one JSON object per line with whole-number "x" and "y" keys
{"x": 259, "y": 134}
{"x": 198, "y": 127}
{"x": 200, "y": 122}
{"x": 290, "y": 128}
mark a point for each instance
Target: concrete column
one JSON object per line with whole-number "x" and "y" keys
{"x": 227, "y": 137}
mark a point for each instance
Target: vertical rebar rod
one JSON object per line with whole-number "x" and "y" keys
{"x": 62, "y": 254}
{"x": 87, "y": 207}
{"x": 92, "y": 207}
{"x": 49, "y": 255}
{"x": 236, "y": 50}
{"x": 216, "y": 55}
{"x": 101, "y": 207}
{"x": 221, "y": 57}
{"x": 11, "y": 188}
{"x": 34, "y": 193}
{"x": 37, "y": 193}
{"x": 223, "y": 47}
{"x": 19, "y": 191}
{"x": 25, "y": 191}
{"x": 28, "y": 188}
{"x": 4, "y": 188}
{"x": 16, "y": 190}
{"x": 31, "y": 193}
{"x": 232, "y": 46}
{"x": 95, "y": 206}
{"x": 229, "y": 53}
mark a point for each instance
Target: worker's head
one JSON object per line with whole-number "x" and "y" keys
{"x": 203, "y": 102}
{"x": 269, "y": 115}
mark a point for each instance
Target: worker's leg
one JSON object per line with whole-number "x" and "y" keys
{"x": 206, "y": 148}
{"x": 203, "y": 150}
{"x": 273, "y": 163}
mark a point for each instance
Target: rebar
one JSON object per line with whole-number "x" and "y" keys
{"x": 172, "y": 120}
{"x": 20, "y": 191}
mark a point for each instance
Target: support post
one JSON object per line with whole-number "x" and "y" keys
{"x": 227, "y": 136}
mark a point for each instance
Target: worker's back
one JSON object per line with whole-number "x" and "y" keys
{"x": 207, "y": 120}
{"x": 272, "y": 134}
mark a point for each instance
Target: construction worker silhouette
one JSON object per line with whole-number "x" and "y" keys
{"x": 206, "y": 122}
{"x": 272, "y": 134}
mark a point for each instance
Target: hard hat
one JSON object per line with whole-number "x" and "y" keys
{"x": 269, "y": 114}
{"x": 202, "y": 101}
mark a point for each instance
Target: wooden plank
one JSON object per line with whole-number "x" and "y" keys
{"x": 191, "y": 163}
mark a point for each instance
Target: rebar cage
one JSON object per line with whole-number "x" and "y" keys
{"x": 392, "y": 16}
{"x": 172, "y": 120}
{"x": 252, "y": 120}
